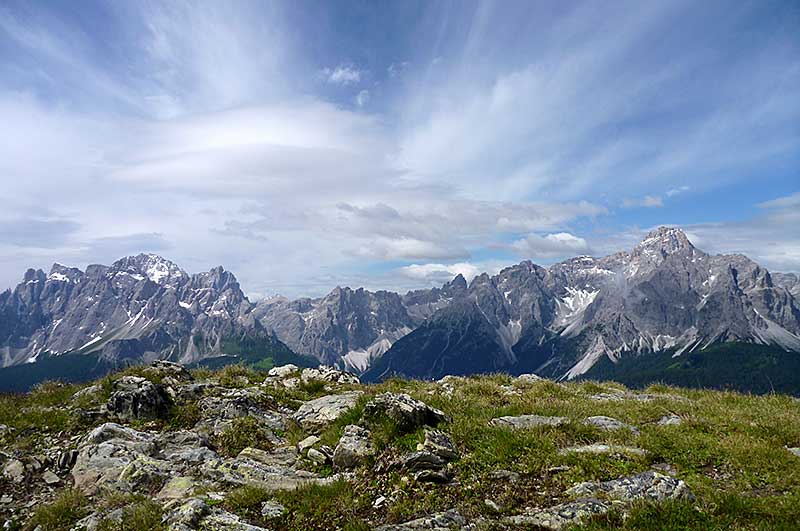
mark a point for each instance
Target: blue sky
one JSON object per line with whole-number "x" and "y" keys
{"x": 305, "y": 144}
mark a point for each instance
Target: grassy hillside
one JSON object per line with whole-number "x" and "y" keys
{"x": 729, "y": 448}
{"x": 739, "y": 366}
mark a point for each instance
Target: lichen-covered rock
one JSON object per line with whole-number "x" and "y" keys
{"x": 439, "y": 443}
{"x": 134, "y": 397}
{"x": 249, "y": 471}
{"x": 445, "y": 521}
{"x": 609, "y": 424}
{"x": 407, "y": 412}
{"x": 317, "y": 457}
{"x": 562, "y": 516}
{"x": 177, "y": 488}
{"x": 354, "y": 447}
{"x": 328, "y": 374}
{"x": 166, "y": 369}
{"x": 307, "y": 443}
{"x": 218, "y": 411}
{"x": 528, "y": 421}
{"x": 318, "y": 413}
{"x": 603, "y": 449}
{"x": 650, "y": 485}
{"x": 14, "y": 470}
{"x": 527, "y": 378}
{"x": 105, "y": 452}
{"x": 121, "y": 458}
{"x": 272, "y": 509}
{"x": 283, "y": 371}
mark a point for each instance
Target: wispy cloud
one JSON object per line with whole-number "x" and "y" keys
{"x": 648, "y": 201}
{"x": 209, "y": 131}
{"x": 342, "y": 75}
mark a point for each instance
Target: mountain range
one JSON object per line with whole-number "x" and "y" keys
{"x": 565, "y": 321}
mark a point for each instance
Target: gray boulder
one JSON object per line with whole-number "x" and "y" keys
{"x": 134, "y": 397}
{"x": 354, "y": 447}
{"x": 650, "y": 485}
{"x": 527, "y": 421}
{"x": 438, "y": 443}
{"x": 407, "y": 412}
{"x": 318, "y": 413}
{"x": 562, "y": 516}
{"x": 609, "y": 424}
{"x": 444, "y": 521}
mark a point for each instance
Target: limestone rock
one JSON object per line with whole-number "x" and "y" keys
{"x": 328, "y": 374}
{"x": 439, "y": 443}
{"x": 272, "y": 509}
{"x": 14, "y": 470}
{"x": 528, "y": 421}
{"x": 283, "y": 371}
{"x": 527, "y": 378}
{"x": 407, "y": 412}
{"x": 650, "y": 485}
{"x": 50, "y": 478}
{"x": 603, "y": 449}
{"x": 318, "y": 413}
{"x": 307, "y": 443}
{"x": 134, "y": 397}
{"x": 609, "y": 424}
{"x": 445, "y": 521}
{"x": 354, "y": 447}
{"x": 562, "y": 516}
{"x": 317, "y": 456}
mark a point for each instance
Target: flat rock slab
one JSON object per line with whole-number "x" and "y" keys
{"x": 562, "y": 516}
{"x": 650, "y": 486}
{"x": 603, "y": 449}
{"x": 318, "y": 413}
{"x": 637, "y": 397}
{"x": 445, "y": 521}
{"x": 609, "y": 424}
{"x": 528, "y": 421}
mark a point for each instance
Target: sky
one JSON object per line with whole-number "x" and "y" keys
{"x": 309, "y": 144}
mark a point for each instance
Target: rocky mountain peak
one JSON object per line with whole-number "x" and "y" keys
{"x": 458, "y": 282}
{"x": 152, "y": 266}
{"x": 666, "y": 240}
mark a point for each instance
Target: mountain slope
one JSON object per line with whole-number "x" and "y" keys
{"x": 663, "y": 295}
{"x": 353, "y": 328}
{"x": 140, "y": 308}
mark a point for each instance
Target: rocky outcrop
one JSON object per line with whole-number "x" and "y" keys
{"x": 318, "y": 413}
{"x": 406, "y": 412}
{"x": 528, "y": 421}
{"x": 134, "y": 397}
{"x": 354, "y": 447}
{"x": 609, "y": 424}
{"x": 651, "y": 485}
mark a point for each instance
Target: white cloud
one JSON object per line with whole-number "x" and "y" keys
{"x": 790, "y": 201}
{"x": 362, "y": 98}
{"x": 675, "y": 191}
{"x": 557, "y": 245}
{"x": 436, "y": 274}
{"x": 342, "y": 75}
